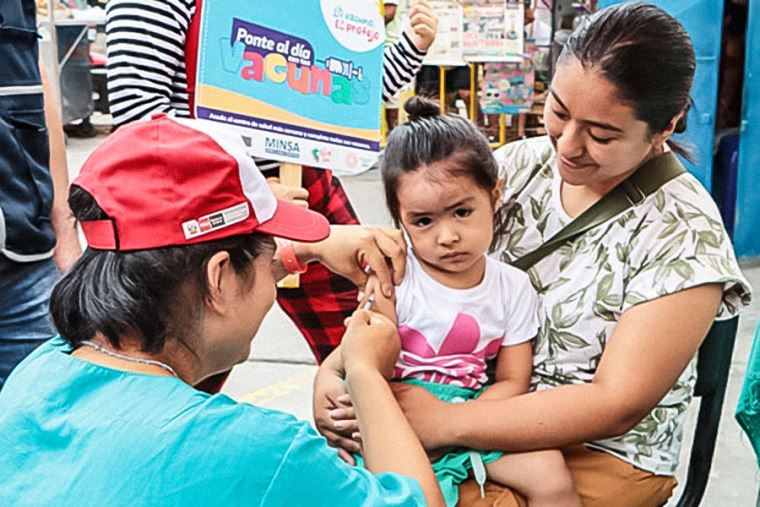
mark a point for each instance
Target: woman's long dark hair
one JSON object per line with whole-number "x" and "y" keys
{"x": 153, "y": 294}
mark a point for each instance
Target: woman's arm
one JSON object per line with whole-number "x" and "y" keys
{"x": 146, "y": 49}
{"x": 403, "y": 59}
{"x": 513, "y": 368}
{"x": 648, "y": 350}
{"x": 349, "y": 247}
{"x": 369, "y": 351}
{"x": 67, "y": 247}
{"x": 334, "y": 414}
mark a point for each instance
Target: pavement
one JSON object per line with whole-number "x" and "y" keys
{"x": 281, "y": 368}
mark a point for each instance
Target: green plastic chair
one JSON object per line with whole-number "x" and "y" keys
{"x": 713, "y": 365}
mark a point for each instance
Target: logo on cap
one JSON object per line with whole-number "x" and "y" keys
{"x": 215, "y": 221}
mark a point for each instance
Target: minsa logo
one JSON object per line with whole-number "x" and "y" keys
{"x": 282, "y": 147}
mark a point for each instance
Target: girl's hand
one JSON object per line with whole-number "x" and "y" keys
{"x": 334, "y": 414}
{"x": 349, "y": 247}
{"x": 423, "y": 25}
{"x": 371, "y": 343}
{"x": 426, "y": 414}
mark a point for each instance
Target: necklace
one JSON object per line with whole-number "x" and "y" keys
{"x": 125, "y": 357}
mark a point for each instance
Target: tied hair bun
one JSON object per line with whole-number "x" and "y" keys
{"x": 421, "y": 107}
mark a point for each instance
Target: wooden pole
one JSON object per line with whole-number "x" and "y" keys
{"x": 383, "y": 125}
{"x": 290, "y": 175}
{"x": 442, "y": 88}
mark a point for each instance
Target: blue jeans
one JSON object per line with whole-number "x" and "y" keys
{"x": 24, "y": 318}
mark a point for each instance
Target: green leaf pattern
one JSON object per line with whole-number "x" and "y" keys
{"x": 671, "y": 241}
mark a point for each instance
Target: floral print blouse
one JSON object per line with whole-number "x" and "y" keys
{"x": 671, "y": 241}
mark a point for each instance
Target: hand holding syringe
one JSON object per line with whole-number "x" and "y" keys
{"x": 373, "y": 298}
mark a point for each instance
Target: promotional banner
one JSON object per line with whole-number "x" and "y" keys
{"x": 493, "y": 30}
{"x": 508, "y": 87}
{"x": 446, "y": 50}
{"x": 300, "y": 80}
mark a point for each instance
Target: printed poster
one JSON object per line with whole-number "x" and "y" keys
{"x": 304, "y": 92}
{"x": 446, "y": 50}
{"x": 493, "y": 30}
{"x": 508, "y": 87}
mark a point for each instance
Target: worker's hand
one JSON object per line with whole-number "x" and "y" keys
{"x": 334, "y": 414}
{"x": 371, "y": 343}
{"x": 351, "y": 248}
{"x": 295, "y": 195}
{"x": 380, "y": 303}
{"x": 423, "y": 25}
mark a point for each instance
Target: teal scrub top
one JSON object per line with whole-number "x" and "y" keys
{"x": 75, "y": 433}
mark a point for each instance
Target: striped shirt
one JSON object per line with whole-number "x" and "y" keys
{"x": 146, "y": 58}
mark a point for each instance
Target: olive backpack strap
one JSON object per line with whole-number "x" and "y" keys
{"x": 633, "y": 190}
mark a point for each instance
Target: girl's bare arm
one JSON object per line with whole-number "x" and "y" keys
{"x": 513, "y": 368}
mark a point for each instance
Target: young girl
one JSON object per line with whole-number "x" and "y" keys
{"x": 457, "y": 308}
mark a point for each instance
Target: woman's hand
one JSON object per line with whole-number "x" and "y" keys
{"x": 334, "y": 414}
{"x": 426, "y": 414}
{"x": 369, "y": 351}
{"x": 371, "y": 343}
{"x": 294, "y": 195}
{"x": 423, "y": 25}
{"x": 349, "y": 247}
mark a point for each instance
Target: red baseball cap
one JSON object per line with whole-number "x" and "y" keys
{"x": 170, "y": 181}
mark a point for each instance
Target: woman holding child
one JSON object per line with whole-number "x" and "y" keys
{"x": 106, "y": 413}
{"x": 624, "y": 306}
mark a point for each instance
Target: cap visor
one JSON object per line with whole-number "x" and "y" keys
{"x": 296, "y": 223}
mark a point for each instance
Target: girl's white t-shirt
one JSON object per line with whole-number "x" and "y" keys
{"x": 447, "y": 335}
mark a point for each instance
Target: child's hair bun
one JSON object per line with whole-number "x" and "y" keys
{"x": 421, "y": 107}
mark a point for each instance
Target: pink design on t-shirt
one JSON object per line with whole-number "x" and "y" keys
{"x": 458, "y": 360}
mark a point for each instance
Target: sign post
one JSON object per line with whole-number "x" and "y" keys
{"x": 290, "y": 175}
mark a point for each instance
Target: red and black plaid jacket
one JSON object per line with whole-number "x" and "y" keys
{"x": 323, "y": 300}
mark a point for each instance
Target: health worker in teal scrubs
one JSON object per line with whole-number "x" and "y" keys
{"x": 179, "y": 272}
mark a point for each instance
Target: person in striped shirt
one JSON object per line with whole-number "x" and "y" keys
{"x": 151, "y": 68}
